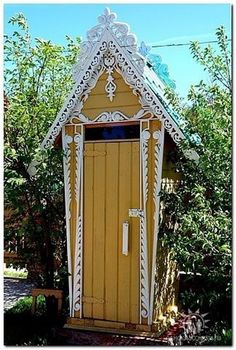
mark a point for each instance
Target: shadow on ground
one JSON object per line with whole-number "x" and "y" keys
{"x": 75, "y": 337}
{"x": 25, "y": 329}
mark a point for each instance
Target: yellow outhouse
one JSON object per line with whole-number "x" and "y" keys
{"x": 116, "y": 132}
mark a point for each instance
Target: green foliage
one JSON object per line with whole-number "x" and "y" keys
{"x": 23, "y": 306}
{"x": 23, "y": 328}
{"x": 218, "y": 335}
{"x": 15, "y": 273}
{"x": 216, "y": 64}
{"x": 37, "y": 78}
{"x": 201, "y": 210}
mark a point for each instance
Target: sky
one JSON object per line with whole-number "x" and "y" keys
{"x": 154, "y": 23}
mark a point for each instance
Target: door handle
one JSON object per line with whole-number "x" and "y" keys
{"x": 125, "y": 243}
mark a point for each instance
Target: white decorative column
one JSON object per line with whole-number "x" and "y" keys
{"x": 144, "y": 283}
{"x": 66, "y": 141}
{"x": 159, "y": 146}
{"x": 77, "y": 280}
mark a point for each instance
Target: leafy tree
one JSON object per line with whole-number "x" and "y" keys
{"x": 200, "y": 211}
{"x": 37, "y": 78}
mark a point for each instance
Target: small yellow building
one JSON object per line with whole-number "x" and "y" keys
{"x": 116, "y": 134}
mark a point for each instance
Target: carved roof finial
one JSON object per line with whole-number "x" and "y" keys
{"x": 120, "y": 32}
{"x": 113, "y": 38}
{"x": 107, "y": 18}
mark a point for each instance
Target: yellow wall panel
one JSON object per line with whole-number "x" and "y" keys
{"x": 98, "y": 102}
{"x": 99, "y": 230}
{"x": 111, "y": 187}
{"x": 134, "y": 235}
{"x": 111, "y": 285}
{"x": 112, "y": 229}
{"x": 88, "y": 229}
{"x": 124, "y": 205}
{"x": 167, "y": 282}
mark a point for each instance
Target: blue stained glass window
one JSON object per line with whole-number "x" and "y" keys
{"x": 120, "y": 132}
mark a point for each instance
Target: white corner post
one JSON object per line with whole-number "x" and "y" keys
{"x": 78, "y": 266}
{"x": 66, "y": 141}
{"x": 144, "y": 282}
{"x": 158, "y": 135}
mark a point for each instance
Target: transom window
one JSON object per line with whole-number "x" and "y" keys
{"x": 112, "y": 132}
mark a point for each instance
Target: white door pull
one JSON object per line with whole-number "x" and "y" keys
{"x": 125, "y": 244}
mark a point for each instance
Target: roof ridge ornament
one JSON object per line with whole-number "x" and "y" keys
{"x": 161, "y": 69}
{"x": 105, "y": 21}
{"x": 120, "y": 31}
{"x": 108, "y": 17}
{"x": 144, "y": 49}
{"x": 116, "y": 41}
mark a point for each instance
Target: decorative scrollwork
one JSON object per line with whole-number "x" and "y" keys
{"x": 66, "y": 141}
{"x": 158, "y": 168}
{"x": 158, "y": 135}
{"x": 115, "y": 116}
{"x": 145, "y": 136}
{"x": 111, "y": 117}
{"x": 144, "y": 289}
{"x": 144, "y": 283}
{"x": 157, "y": 176}
{"x": 79, "y": 154}
{"x": 125, "y": 58}
{"x": 161, "y": 70}
{"x": 107, "y": 18}
{"x": 77, "y": 295}
{"x": 110, "y": 86}
{"x": 109, "y": 61}
{"x": 67, "y": 157}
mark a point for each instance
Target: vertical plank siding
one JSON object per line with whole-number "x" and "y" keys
{"x": 112, "y": 232}
{"x": 88, "y": 228}
{"x": 98, "y": 230}
{"x": 110, "y": 279}
{"x": 124, "y": 101}
{"x": 111, "y": 177}
{"x": 134, "y": 235}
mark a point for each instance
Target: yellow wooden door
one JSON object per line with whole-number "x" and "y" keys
{"x": 111, "y": 187}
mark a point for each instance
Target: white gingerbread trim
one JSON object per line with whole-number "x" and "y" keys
{"x": 158, "y": 135}
{"x": 78, "y": 267}
{"x": 116, "y": 38}
{"x": 147, "y": 98}
{"x": 144, "y": 281}
{"x": 87, "y": 79}
{"x": 105, "y": 117}
{"x": 66, "y": 141}
{"x": 110, "y": 87}
{"x": 121, "y": 32}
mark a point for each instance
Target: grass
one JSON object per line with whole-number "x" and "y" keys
{"x": 9, "y": 272}
{"x": 22, "y": 328}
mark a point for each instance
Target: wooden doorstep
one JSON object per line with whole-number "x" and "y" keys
{"x": 154, "y": 330}
{"x": 112, "y": 330}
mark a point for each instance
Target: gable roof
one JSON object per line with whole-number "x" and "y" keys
{"x": 112, "y": 43}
